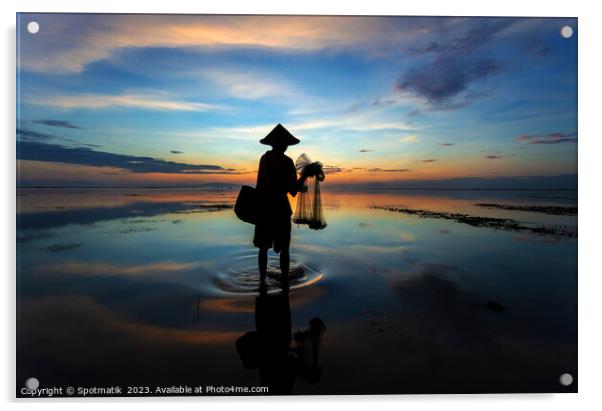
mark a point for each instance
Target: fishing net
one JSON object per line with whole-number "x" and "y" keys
{"x": 309, "y": 204}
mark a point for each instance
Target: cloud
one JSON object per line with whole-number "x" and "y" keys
{"x": 357, "y": 123}
{"x": 147, "y": 101}
{"x": 57, "y": 123}
{"x": 71, "y": 42}
{"x": 25, "y": 134}
{"x": 57, "y": 248}
{"x": 407, "y": 237}
{"x": 365, "y": 150}
{"x": 388, "y": 170}
{"x": 379, "y": 102}
{"x": 176, "y": 152}
{"x": 453, "y": 64}
{"x": 55, "y": 153}
{"x": 535, "y": 46}
{"x": 497, "y": 155}
{"x": 445, "y": 79}
{"x": 250, "y": 86}
{"x": 447, "y": 144}
{"x": 550, "y": 138}
{"x": 409, "y": 139}
{"x": 332, "y": 169}
{"x": 429, "y": 160}
{"x": 371, "y": 124}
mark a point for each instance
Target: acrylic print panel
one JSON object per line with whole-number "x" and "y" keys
{"x": 437, "y": 255}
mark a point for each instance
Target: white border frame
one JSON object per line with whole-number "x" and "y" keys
{"x": 590, "y": 196}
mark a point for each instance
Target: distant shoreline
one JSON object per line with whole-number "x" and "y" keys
{"x": 231, "y": 187}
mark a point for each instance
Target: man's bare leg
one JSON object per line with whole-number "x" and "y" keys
{"x": 284, "y": 267}
{"x": 262, "y": 259}
{"x": 284, "y": 262}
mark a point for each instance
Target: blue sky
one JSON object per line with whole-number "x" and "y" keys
{"x": 143, "y": 99}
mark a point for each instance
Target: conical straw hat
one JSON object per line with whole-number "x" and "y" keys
{"x": 279, "y": 136}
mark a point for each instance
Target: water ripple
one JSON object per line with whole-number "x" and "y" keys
{"x": 241, "y": 276}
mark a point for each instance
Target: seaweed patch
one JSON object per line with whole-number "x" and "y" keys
{"x": 506, "y": 224}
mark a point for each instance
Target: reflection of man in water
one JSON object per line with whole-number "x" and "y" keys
{"x": 275, "y": 178}
{"x": 268, "y": 349}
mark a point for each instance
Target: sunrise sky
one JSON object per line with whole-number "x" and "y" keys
{"x": 151, "y": 99}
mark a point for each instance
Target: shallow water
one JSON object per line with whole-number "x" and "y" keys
{"x": 154, "y": 287}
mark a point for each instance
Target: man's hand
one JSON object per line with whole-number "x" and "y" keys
{"x": 312, "y": 169}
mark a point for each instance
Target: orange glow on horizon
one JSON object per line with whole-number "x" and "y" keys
{"x": 45, "y": 173}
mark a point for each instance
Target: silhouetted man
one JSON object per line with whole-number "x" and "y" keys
{"x": 276, "y": 177}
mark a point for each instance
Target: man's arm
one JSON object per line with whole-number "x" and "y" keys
{"x": 295, "y": 184}
{"x": 260, "y": 174}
